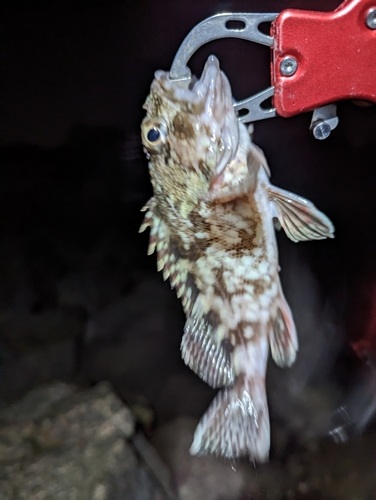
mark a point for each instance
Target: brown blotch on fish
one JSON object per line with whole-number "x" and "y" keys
{"x": 240, "y": 335}
{"x": 213, "y": 318}
{"x": 227, "y": 346}
{"x": 182, "y": 126}
{"x": 194, "y": 253}
{"x": 260, "y": 286}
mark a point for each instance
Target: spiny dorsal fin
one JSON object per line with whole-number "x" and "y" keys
{"x": 168, "y": 261}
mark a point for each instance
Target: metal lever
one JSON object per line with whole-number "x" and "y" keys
{"x": 253, "y": 107}
{"x": 324, "y": 120}
{"x": 216, "y": 27}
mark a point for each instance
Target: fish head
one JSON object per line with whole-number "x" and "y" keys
{"x": 190, "y": 133}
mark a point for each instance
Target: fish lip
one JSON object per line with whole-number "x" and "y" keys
{"x": 187, "y": 89}
{"x": 209, "y": 74}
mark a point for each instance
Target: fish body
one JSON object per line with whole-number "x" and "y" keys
{"x": 211, "y": 222}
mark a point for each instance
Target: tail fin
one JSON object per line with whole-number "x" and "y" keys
{"x": 236, "y": 423}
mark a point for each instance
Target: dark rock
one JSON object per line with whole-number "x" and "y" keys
{"x": 16, "y": 289}
{"x": 134, "y": 342}
{"x": 61, "y": 443}
{"x": 101, "y": 277}
{"x": 46, "y": 364}
{"x": 23, "y": 333}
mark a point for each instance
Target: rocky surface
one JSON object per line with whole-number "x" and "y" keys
{"x": 62, "y": 443}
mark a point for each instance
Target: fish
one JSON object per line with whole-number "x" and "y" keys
{"x": 212, "y": 223}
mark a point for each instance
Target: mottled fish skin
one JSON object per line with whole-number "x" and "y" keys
{"x": 211, "y": 220}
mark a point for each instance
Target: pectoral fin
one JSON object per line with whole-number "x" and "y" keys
{"x": 200, "y": 352}
{"x": 299, "y": 217}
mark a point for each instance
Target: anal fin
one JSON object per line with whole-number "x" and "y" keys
{"x": 201, "y": 353}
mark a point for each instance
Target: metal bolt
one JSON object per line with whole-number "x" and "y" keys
{"x": 288, "y": 66}
{"x": 320, "y": 130}
{"x": 371, "y": 19}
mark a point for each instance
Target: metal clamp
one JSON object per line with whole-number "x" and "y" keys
{"x": 215, "y": 27}
{"x": 313, "y": 65}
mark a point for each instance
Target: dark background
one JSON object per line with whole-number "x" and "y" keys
{"x": 79, "y": 298}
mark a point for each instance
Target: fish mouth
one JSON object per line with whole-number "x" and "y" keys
{"x": 219, "y": 109}
{"x": 214, "y": 91}
{"x": 210, "y": 98}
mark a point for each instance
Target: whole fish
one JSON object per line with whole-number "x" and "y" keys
{"x": 211, "y": 220}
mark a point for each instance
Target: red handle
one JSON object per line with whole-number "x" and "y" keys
{"x": 335, "y": 54}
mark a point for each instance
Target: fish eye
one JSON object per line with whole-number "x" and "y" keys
{"x": 154, "y": 134}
